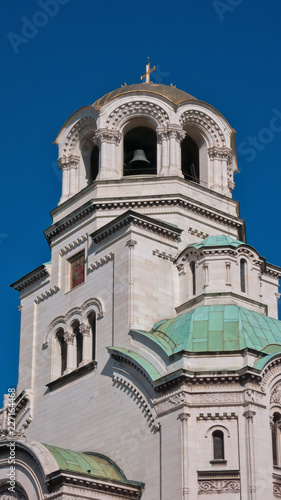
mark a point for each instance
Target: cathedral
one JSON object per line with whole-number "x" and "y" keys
{"x": 150, "y": 348}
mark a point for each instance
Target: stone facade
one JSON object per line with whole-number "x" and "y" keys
{"x": 129, "y": 252}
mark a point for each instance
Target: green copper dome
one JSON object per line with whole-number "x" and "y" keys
{"x": 220, "y": 328}
{"x": 93, "y": 464}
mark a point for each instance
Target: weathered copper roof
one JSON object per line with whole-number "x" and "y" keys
{"x": 172, "y": 94}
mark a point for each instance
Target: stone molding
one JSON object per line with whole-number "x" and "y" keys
{"x": 218, "y": 482}
{"x": 174, "y": 402}
{"x": 101, "y": 262}
{"x": 199, "y": 234}
{"x": 217, "y": 416}
{"x": 45, "y": 295}
{"x": 65, "y": 320}
{"x": 79, "y": 130}
{"x": 163, "y": 255}
{"x": 108, "y": 136}
{"x": 217, "y": 398}
{"x": 201, "y": 119}
{"x": 138, "y": 397}
{"x": 275, "y": 396}
{"x": 139, "y": 220}
{"x": 74, "y": 244}
{"x": 31, "y": 278}
{"x": 139, "y": 108}
{"x": 271, "y": 370}
{"x": 53, "y": 231}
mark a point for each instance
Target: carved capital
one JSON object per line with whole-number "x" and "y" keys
{"x": 249, "y": 414}
{"x": 183, "y": 417}
{"x": 106, "y": 135}
{"x": 131, "y": 243}
{"x": 85, "y": 330}
{"x": 176, "y": 132}
{"x": 70, "y": 161}
{"x": 220, "y": 153}
{"x": 162, "y": 134}
{"x": 69, "y": 338}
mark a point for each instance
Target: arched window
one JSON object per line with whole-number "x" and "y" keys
{"x": 276, "y": 435}
{"x": 92, "y": 323}
{"x": 63, "y": 350}
{"x": 190, "y": 159}
{"x": 218, "y": 445}
{"x": 193, "y": 277}
{"x": 243, "y": 266}
{"x": 140, "y": 147}
{"x": 79, "y": 342}
{"x": 94, "y": 164}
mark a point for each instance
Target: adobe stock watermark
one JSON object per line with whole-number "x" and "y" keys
{"x": 265, "y": 136}
{"x": 40, "y": 19}
{"x": 11, "y": 427}
{"x": 227, "y": 6}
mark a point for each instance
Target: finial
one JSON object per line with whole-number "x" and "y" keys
{"x": 174, "y": 86}
{"x": 125, "y": 85}
{"x": 148, "y": 71}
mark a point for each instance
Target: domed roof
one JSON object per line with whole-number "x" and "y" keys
{"x": 172, "y": 94}
{"x": 221, "y": 240}
{"x": 219, "y": 328}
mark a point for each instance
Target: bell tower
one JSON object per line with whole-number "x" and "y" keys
{"x": 150, "y": 344}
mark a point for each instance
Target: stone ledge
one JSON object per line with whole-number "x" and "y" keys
{"x": 77, "y": 373}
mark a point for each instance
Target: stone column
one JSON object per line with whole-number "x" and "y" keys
{"x": 70, "y": 361}
{"x": 107, "y": 141}
{"x": 163, "y": 140}
{"x": 85, "y": 330}
{"x": 176, "y": 135}
{"x": 184, "y": 445}
{"x": 73, "y": 161}
{"x": 63, "y": 164}
{"x": 249, "y": 415}
{"x": 220, "y": 158}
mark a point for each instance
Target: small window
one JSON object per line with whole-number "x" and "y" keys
{"x": 193, "y": 277}
{"x": 218, "y": 445}
{"x": 77, "y": 270}
{"x": 243, "y": 265}
{"x": 92, "y": 323}
{"x": 63, "y": 350}
{"x": 276, "y": 434}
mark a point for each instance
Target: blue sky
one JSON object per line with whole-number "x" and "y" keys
{"x": 59, "y": 55}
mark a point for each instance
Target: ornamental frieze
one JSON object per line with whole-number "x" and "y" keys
{"x": 276, "y": 395}
{"x": 219, "y": 486}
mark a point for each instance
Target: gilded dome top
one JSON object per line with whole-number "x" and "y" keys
{"x": 172, "y": 94}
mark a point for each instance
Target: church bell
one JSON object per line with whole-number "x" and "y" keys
{"x": 139, "y": 155}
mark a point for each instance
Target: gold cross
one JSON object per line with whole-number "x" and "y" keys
{"x": 148, "y": 71}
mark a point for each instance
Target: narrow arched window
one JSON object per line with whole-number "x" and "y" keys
{"x": 79, "y": 342}
{"x": 193, "y": 277}
{"x": 140, "y": 151}
{"x": 243, "y": 265}
{"x": 190, "y": 159}
{"x": 63, "y": 350}
{"x": 94, "y": 164}
{"x": 218, "y": 445}
{"x": 92, "y": 323}
{"x": 276, "y": 435}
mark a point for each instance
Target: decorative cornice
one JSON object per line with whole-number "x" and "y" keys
{"x": 217, "y": 416}
{"x": 101, "y": 262}
{"x": 139, "y": 108}
{"x": 73, "y": 244}
{"x": 47, "y": 294}
{"x": 185, "y": 204}
{"x": 163, "y": 255}
{"x": 199, "y": 234}
{"x": 30, "y": 279}
{"x": 133, "y": 218}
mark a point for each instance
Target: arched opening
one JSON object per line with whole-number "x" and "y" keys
{"x": 7, "y": 494}
{"x": 243, "y": 268}
{"x": 142, "y": 140}
{"x": 218, "y": 445}
{"x": 94, "y": 164}
{"x": 92, "y": 323}
{"x": 79, "y": 342}
{"x": 63, "y": 350}
{"x": 276, "y": 434}
{"x": 193, "y": 277}
{"x": 190, "y": 160}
